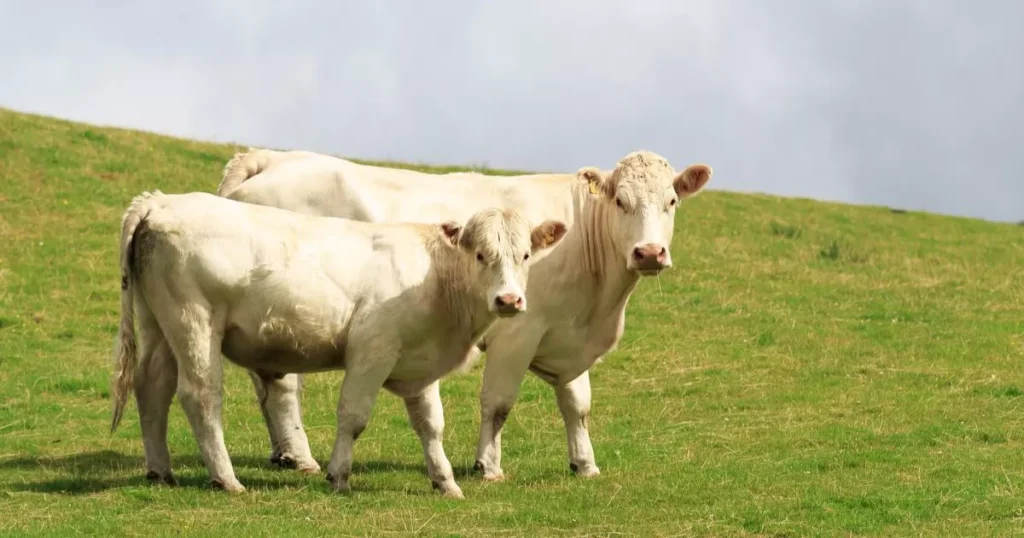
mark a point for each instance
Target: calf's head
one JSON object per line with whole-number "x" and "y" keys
{"x": 642, "y": 194}
{"x": 499, "y": 247}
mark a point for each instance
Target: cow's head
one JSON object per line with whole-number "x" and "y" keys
{"x": 499, "y": 247}
{"x": 642, "y": 194}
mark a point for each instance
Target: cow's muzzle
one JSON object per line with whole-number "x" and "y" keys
{"x": 650, "y": 258}
{"x": 509, "y": 304}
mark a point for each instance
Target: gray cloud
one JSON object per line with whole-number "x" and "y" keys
{"x": 907, "y": 103}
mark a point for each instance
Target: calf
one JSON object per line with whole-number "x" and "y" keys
{"x": 396, "y": 305}
{"x": 621, "y": 228}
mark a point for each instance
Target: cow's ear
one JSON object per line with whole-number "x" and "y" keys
{"x": 596, "y": 180}
{"x": 451, "y": 231}
{"x": 547, "y": 235}
{"x": 691, "y": 180}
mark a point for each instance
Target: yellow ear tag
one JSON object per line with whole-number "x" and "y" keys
{"x": 593, "y": 187}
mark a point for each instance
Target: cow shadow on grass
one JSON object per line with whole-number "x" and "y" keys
{"x": 91, "y": 472}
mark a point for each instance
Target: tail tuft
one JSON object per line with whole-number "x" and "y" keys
{"x": 125, "y": 348}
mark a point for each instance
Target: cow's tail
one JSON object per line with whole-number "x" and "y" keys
{"x": 241, "y": 167}
{"x": 125, "y": 347}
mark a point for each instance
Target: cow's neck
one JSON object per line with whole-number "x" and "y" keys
{"x": 458, "y": 308}
{"x": 592, "y": 240}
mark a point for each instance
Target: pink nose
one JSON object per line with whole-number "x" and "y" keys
{"x": 650, "y": 256}
{"x": 508, "y": 302}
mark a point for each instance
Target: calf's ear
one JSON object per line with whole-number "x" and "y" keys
{"x": 596, "y": 180}
{"x": 547, "y": 235}
{"x": 691, "y": 180}
{"x": 451, "y": 231}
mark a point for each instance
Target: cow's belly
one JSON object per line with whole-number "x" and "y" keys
{"x": 419, "y": 367}
{"x": 281, "y": 355}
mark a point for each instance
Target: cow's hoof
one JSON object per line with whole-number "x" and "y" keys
{"x": 309, "y": 468}
{"x": 494, "y": 476}
{"x": 233, "y": 486}
{"x": 339, "y": 484}
{"x": 448, "y": 489}
{"x": 586, "y": 470}
{"x": 455, "y": 493}
{"x": 162, "y": 479}
{"x": 490, "y": 475}
{"x": 288, "y": 461}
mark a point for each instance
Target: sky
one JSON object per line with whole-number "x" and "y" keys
{"x": 915, "y": 104}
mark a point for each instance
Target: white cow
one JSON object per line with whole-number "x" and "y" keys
{"x": 621, "y": 226}
{"x": 396, "y": 305}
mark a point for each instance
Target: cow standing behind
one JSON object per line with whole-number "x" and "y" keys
{"x": 621, "y": 227}
{"x": 396, "y": 305}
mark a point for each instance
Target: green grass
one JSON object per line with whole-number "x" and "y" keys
{"x": 805, "y": 369}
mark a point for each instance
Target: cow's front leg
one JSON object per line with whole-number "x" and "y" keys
{"x": 358, "y": 393}
{"x": 279, "y": 402}
{"x": 503, "y": 373}
{"x": 427, "y": 417}
{"x": 574, "y": 403}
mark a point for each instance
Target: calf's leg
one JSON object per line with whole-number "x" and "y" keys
{"x": 279, "y": 403}
{"x": 200, "y": 387}
{"x": 574, "y": 403}
{"x": 427, "y": 417}
{"x": 358, "y": 393}
{"x": 156, "y": 377}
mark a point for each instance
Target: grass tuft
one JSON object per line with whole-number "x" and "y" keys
{"x": 786, "y": 230}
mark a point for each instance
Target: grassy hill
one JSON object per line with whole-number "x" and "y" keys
{"x": 805, "y": 369}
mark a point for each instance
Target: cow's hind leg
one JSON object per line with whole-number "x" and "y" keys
{"x": 279, "y": 402}
{"x": 156, "y": 378}
{"x": 427, "y": 417}
{"x": 261, "y": 399}
{"x": 574, "y": 403}
{"x": 200, "y": 388}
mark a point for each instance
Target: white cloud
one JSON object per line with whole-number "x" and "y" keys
{"x": 884, "y": 101}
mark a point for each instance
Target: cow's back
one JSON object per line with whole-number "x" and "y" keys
{"x": 324, "y": 185}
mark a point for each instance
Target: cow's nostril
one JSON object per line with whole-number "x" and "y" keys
{"x": 638, "y": 254}
{"x": 508, "y": 299}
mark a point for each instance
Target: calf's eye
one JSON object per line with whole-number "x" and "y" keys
{"x": 479, "y": 257}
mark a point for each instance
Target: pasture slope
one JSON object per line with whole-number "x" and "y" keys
{"x": 806, "y": 369}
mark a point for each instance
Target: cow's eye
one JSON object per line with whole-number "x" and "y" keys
{"x": 526, "y": 257}
{"x": 479, "y": 257}
{"x": 672, "y": 202}
{"x": 618, "y": 202}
